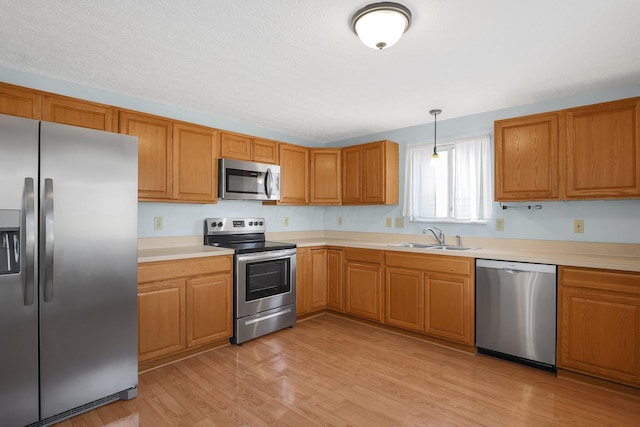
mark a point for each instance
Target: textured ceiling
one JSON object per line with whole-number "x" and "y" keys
{"x": 296, "y": 67}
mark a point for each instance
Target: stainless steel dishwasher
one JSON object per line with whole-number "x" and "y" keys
{"x": 516, "y": 311}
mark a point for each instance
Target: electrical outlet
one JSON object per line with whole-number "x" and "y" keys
{"x": 339, "y": 220}
{"x": 499, "y": 224}
{"x": 399, "y": 222}
{"x": 389, "y": 222}
{"x": 158, "y": 223}
{"x": 578, "y": 225}
{"x": 286, "y": 221}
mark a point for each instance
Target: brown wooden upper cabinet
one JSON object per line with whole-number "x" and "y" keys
{"x": 155, "y": 153}
{"x": 526, "y": 158}
{"x": 590, "y": 152}
{"x": 74, "y": 112}
{"x": 370, "y": 174}
{"x": 195, "y": 163}
{"x": 603, "y": 150}
{"x": 245, "y": 147}
{"x": 20, "y": 101}
{"x": 326, "y": 173}
{"x": 294, "y": 175}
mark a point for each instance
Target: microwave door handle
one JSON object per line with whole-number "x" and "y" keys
{"x": 268, "y": 183}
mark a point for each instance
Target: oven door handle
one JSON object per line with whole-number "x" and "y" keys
{"x": 268, "y": 255}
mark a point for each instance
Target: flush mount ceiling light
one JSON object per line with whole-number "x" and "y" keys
{"x": 435, "y": 113}
{"x": 380, "y": 25}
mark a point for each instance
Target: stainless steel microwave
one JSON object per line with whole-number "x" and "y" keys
{"x": 242, "y": 180}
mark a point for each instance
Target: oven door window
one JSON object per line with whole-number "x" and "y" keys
{"x": 245, "y": 182}
{"x": 268, "y": 278}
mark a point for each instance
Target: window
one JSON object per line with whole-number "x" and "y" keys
{"x": 456, "y": 187}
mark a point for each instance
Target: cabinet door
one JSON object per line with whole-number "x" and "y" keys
{"x": 599, "y": 324}
{"x": 264, "y": 151}
{"x": 404, "y": 298}
{"x": 154, "y": 153}
{"x": 449, "y": 308}
{"x": 373, "y": 173}
{"x": 303, "y": 281}
{"x": 69, "y": 111}
{"x": 326, "y": 176}
{"x": 352, "y": 175}
{"x": 19, "y": 101}
{"x": 195, "y": 163}
{"x": 235, "y": 146}
{"x": 363, "y": 284}
{"x": 526, "y": 158}
{"x": 209, "y": 309}
{"x": 603, "y": 150}
{"x": 294, "y": 174}
{"x": 335, "y": 289}
{"x": 161, "y": 322}
{"x": 319, "y": 279}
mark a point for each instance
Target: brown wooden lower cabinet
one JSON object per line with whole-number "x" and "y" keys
{"x": 303, "y": 280}
{"x": 599, "y": 323}
{"x": 183, "y": 305}
{"x": 319, "y": 272}
{"x": 449, "y": 307}
{"x": 363, "y": 283}
{"x": 335, "y": 289}
{"x": 431, "y": 294}
{"x": 404, "y": 298}
{"x": 161, "y": 319}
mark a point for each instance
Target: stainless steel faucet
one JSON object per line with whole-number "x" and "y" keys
{"x": 439, "y": 236}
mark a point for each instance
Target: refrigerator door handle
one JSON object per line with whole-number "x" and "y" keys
{"x": 48, "y": 240}
{"x": 29, "y": 227}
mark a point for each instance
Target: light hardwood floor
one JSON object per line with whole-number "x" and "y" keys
{"x": 328, "y": 370}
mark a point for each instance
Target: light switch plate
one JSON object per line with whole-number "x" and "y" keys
{"x": 578, "y": 225}
{"x": 389, "y": 222}
{"x": 499, "y": 224}
{"x": 399, "y": 222}
{"x": 286, "y": 221}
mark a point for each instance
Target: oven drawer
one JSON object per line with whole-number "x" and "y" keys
{"x": 256, "y": 325}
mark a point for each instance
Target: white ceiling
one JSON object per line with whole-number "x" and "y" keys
{"x": 296, "y": 67}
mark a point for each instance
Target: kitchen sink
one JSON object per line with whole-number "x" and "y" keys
{"x": 431, "y": 246}
{"x": 451, "y": 248}
{"x": 411, "y": 245}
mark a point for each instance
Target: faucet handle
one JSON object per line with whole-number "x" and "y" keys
{"x": 459, "y": 238}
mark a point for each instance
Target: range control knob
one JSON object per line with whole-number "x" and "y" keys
{"x": 250, "y": 223}
{"x": 219, "y": 224}
{"x": 260, "y": 223}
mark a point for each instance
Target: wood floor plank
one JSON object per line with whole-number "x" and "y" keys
{"x": 331, "y": 371}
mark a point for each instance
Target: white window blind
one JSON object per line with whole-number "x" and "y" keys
{"x": 457, "y": 187}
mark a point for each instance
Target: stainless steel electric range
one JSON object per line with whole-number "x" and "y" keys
{"x": 264, "y": 276}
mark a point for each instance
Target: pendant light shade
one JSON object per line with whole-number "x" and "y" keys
{"x": 380, "y": 25}
{"x": 435, "y": 113}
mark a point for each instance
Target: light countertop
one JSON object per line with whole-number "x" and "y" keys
{"x": 611, "y": 256}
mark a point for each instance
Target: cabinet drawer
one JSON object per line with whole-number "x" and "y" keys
{"x": 433, "y": 263}
{"x": 162, "y": 270}
{"x": 363, "y": 255}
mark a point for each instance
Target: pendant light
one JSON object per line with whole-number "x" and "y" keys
{"x": 435, "y": 113}
{"x": 380, "y": 25}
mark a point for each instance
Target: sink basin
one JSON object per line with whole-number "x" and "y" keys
{"x": 411, "y": 245}
{"x": 431, "y": 246}
{"x": 451, "y": 248}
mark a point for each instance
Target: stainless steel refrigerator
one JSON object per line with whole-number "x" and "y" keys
{"x": 68, "y": 273}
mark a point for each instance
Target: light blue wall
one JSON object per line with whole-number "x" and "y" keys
{"x": 605, "y": 221}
